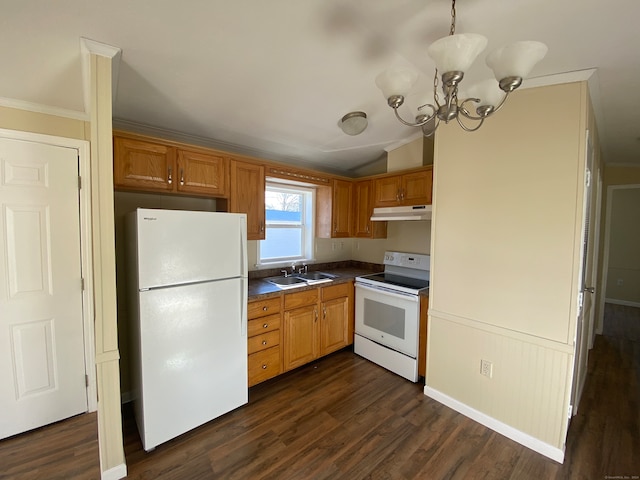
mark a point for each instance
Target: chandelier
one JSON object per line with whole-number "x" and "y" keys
{"x": 453, "y": 55}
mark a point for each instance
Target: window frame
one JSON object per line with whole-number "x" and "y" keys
{"x": 306, "y": 224}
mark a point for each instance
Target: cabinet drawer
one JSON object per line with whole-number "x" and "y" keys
{"x": 264, "y": 365}
{"x": 337, "y": 291}
{"x": 263, "y": 325}
{"x": 264, "y": 341}
{"x": 300, "y": 299}
{"x": 260, "y": 308}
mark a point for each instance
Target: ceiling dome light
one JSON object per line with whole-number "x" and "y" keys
{"x": 354, "y": 123}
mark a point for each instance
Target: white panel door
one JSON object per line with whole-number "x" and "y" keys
{"x": 42, "y": 363}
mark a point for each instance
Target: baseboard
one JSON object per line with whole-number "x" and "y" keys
{"x": 115, "y": 473}
{"x": 508, "y": 431}
{"x": 626, "y": 303}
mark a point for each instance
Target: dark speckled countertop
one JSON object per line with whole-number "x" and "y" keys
{"x": 261, "y": 289}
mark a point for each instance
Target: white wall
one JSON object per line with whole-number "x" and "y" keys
{"x": 505, "y": 251}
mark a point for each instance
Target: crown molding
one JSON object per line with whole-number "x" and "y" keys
{"x": 90, "y": 47}
{"x": 46, "y": 109}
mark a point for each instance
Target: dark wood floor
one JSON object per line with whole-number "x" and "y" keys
{"x": 346, "y": 418}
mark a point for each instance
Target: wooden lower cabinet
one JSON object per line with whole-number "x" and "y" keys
{"x": 300, "y": 332}
{"x": 336, "y": 317}
{"x": 264, "y": 340}
{"x": 292, "y": 330}
{"x": 317, "y": 322}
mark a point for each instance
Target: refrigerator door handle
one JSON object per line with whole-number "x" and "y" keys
{"x": 245, "y": 282}
{"x": 243, "y": 307}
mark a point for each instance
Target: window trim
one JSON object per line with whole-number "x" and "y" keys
{"x": 307, "y": 225}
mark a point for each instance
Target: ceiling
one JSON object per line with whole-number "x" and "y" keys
{"x": 273, "y": 78}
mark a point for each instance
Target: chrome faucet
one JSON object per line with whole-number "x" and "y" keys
{"x": 286, "y": 274}
{"x": 304, "y": 268}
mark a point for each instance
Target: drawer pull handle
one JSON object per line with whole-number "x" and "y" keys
{"x": 264, "y": 342}
{"x": 264, "y": 309}
{"x": 266, "y": 325}
{"x": 264, "y": 367}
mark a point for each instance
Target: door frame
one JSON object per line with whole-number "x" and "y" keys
{"x": 84, "y": 166}
{"x": 607, "y": 243}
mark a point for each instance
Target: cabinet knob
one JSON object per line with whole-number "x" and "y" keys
{"x": 170, "y": 176}
{"x": 265, "y": 325}
{"x": 265, "y": 308}
{"x": 264, "y": 367}
{"x": 264, "y": 342}
{"x": 181, "y": 176}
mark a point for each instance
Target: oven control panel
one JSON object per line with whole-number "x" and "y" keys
{"x": 408, "y": 260}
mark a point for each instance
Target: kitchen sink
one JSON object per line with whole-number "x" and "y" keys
{"x": 300, "y": 279}
{"x": 315, "y": 277}
{"x": 286, "y": 282}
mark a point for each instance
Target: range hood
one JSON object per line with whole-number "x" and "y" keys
{"x": 415, "y": 212}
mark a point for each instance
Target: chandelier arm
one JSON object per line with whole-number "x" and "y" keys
{"x": 466, "y": 113}
{"x": 430, "y": 132}
{"x": 501, "y": 104}
{"x": 414, "y": 124}
{"x": 468, "y": 129}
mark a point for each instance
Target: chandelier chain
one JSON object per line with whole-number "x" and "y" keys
{"x": 452, "y": 30}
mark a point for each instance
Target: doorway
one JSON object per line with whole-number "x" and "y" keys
{"x": 46, "y": 364}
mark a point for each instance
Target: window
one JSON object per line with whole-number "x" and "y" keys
{"x": 289, "y": 224}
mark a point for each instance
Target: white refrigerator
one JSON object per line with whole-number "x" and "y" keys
{"x": 187, "y": 282}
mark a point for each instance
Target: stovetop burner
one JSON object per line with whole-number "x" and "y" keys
{"x": 398, "y": 280}
{"x": 403, "y": 272}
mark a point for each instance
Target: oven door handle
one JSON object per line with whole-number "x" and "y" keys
{"x": 386, "y": 291}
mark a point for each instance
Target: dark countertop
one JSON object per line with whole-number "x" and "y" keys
{"x": 260, "y": 289}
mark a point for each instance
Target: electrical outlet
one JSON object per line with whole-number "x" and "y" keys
{"x": 486, "y": 368}
{"x": 620, "y": 282}
{"x": 341, "y": 245}
{"x": 334, "y": 246}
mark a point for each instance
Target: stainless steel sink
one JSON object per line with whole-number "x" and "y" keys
{"x": 316, "y": 277}
{"x": 300, "y": 279}
{"x": 286, "y": 282}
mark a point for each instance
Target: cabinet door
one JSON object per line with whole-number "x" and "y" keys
{"x": 202, "y": 173}
{"x": 141, "y": 165}
{"x": 416, "y": 188}
{"x": 334, "y": 325}
{"x": 341, "y": 208}
{"x": 300, "y": 336}
{"x": 387, "y": 191}
{"x": 247, "y": 196}
{"x": 363, "y": 227}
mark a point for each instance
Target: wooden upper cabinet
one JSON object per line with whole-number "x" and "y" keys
{"x": 247, "y": 196}
{"x": 363, "y": 227}
{"x": 342, "y": 190}
{"x": 143, "y": 165}
{"x": 387, "y": 191}
{"x": 334, "y": 210}
{"x": 417, "y": 187}
{"x": 202, "y": 173}
{"x": 406, "y": 189}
